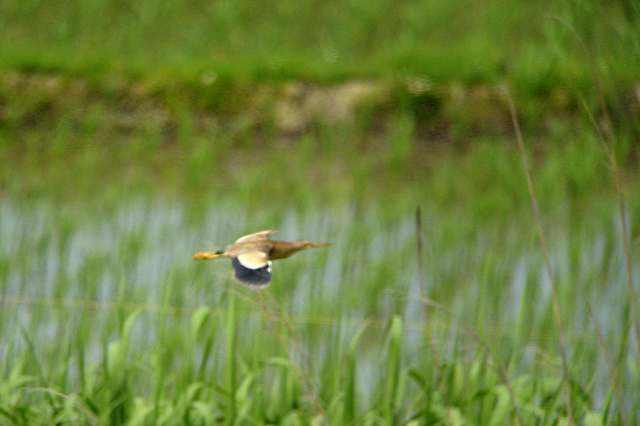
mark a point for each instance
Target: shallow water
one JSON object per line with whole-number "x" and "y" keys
{"x": 74, "y": 269}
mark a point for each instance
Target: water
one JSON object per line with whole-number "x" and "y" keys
{"x": 66, "y": 268}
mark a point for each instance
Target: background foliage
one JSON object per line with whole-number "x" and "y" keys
{"x": 132, "y": 135}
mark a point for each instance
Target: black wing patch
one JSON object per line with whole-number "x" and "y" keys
{"x": 259, "y": 277}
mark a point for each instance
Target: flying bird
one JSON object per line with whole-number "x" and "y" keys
{"x": 251, "y": 256}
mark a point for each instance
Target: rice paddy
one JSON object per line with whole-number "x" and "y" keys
{"x": 106, "y": 319}
{"x": 474, "y": 277}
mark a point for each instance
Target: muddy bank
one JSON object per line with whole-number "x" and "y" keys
{"x": 289, "y": 109}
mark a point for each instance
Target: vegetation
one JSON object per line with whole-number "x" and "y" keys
{"x": 454, "y": 293}
{"x": 539, "y": 43}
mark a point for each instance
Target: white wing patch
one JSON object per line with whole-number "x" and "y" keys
{"x": 254, "y": 260}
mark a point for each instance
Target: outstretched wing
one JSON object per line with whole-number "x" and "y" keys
{"x": 258, "y": 236}
{"x": 250, "y": 259}
{"x": 254, "y": 259}
{"x": 252, "y": 268}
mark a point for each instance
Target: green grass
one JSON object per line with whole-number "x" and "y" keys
{"x": 132, "y": 136}
{"x": 119, "y": 325}
{"x": 540, "y": 45}
{"x": 107, "y": 320}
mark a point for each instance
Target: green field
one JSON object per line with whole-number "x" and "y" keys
{"x": 537, "y": 43}
{"x": 453, "y": 293}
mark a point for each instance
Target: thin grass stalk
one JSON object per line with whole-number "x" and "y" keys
{"x": 81, "y": 368}
{"x": 393, "y": 371}
{"x": 622, "y": 216}
{"x": 206, "y": 353}
{"x": 350, "y": 398}
{"x": 545, "y": 251}
{"x": 419, "y": 247}
{"x": 613, "y": 163}
{"x": 614, "y": 367}
{"x": 290, "y": 345}
{"x": 231, "y": 358}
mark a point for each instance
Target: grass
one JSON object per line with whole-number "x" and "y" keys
{"x": 108, "y": 321}
{"x": 444, "y": 299}
{"x": 128, "y": 329}
{"x": 535, "y": 41}
{"x": 120, "y": 326}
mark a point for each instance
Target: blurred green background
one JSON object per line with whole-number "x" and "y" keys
{"x": 132, "y": 135}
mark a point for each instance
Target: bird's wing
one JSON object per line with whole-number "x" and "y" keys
{"x": 258, "y": 236}
{"x": 252, "y": 268}
{"x": 254, "y": 259}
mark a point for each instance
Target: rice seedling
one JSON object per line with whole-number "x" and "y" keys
{"x": 134, "y": 337}
{"x": 457, "y": 289}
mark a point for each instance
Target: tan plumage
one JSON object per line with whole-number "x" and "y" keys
{"x": 251, "y": 255}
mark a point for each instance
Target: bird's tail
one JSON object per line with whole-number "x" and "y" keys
{"x": 207, "y": 255}
{"x": 317, "y": 245}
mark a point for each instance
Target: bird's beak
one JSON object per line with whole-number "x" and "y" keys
{"x": 206, "y": 255}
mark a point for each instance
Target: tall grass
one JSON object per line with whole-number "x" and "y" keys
{"x": 75, "y": 274}
{"x": 557, "y": 316}
{"x": 143, "y": 335}
{"x": 442, "y": 300}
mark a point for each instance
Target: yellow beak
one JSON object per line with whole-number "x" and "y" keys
{"x": 206, "y": 255}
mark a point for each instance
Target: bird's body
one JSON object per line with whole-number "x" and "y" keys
{"x": 251, "y": 256}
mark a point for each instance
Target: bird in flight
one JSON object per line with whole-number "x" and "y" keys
{"x": 251, "y": 256}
